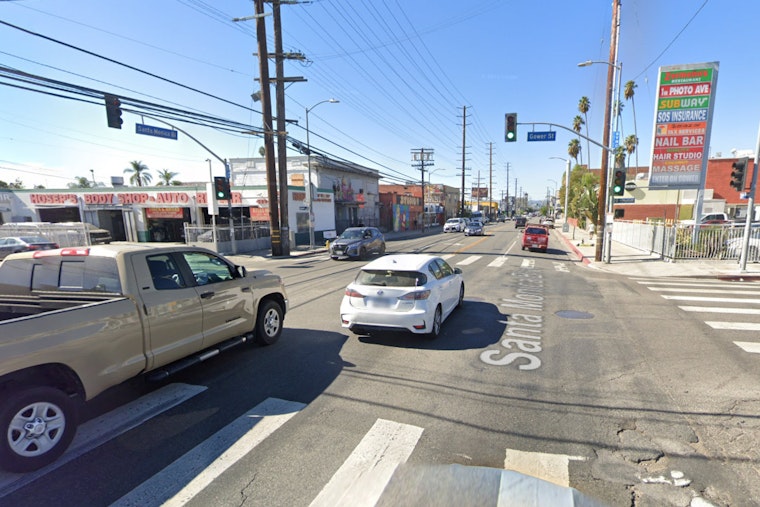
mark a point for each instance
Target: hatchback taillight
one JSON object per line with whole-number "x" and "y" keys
{"x": 353, "y": 293}
{"x": 413, "y": 296}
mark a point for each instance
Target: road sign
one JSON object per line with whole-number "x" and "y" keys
{"x": 630, "y": 185}
{"x": 542, "y": 136}
{"x": 149, "y": 130}
{"x": 616, "y": 139}
{"x": 625, "y": 200}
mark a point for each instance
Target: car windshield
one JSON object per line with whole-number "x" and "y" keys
{"x": 452, "y": 221}
{"x": 391, "y": 278}
{"x": 351, "y": 234}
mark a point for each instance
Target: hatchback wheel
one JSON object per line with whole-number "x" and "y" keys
{"x": 435, "y": 329}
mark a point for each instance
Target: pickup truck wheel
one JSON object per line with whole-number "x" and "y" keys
{"x": 37, "y": 425}
{"x": 269, "y": 323}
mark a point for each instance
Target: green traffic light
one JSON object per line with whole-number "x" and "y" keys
{"x": 510, "y": 135}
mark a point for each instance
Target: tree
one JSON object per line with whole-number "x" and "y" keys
{"x": 139, "y": 173}
{"x": 81, "y": 182}
{"x": 16, "y": 185}
{"x": 167, "y": 177}
{"x": 587, "y": 198}
{"x": 630, "y": 144}
{"x": 577, "y": 125}
{"x": 574, "y": 149}
{"x": 584, "y": 105}
{"x": 628, "y": 93}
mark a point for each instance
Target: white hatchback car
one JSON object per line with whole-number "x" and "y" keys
{"x": 406, "y": 292}
{"x": 454, "y": 225}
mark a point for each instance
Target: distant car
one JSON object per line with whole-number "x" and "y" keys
{"x": 474, "y": 228}
{"x": 520, "y": 222}
{"x": 357, "y": 243}
{"x": 403, "y": 292}
{"x": 535, "y": 237}
{"x": 15, "y": 244}
{"x": 548, "y": 222}
{"x": 454, "y": 225}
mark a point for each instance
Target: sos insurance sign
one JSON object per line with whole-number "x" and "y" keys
{"x": 683, "y": 118}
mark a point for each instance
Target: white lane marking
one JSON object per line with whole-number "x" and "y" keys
{"x": 497, "y": 262}
{"x": 751, "y": 347}
{"x": 561, "y": 267}
{"x": 469, "y": 260}
{"x": 528, "y": 263}
{"x": 549, "y": 467}
{"x": 736, "y": 326}
{"x": 365, "y": 474}
{"x": 704, "y": 291}
{"x": 447, "y": 256}
{"x": 721, "y": 309}
{"x": 712, "y": 300}
{"x": 197, "y": 468}
{"x": 108, "y": 426}
{"x": 697, "y": 284}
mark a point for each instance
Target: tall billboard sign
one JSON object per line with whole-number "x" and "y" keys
{"x": 682, "y": 123}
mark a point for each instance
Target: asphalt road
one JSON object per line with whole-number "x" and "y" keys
{"x": 583, "y": 378}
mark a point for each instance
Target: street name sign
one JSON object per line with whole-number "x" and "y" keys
{"x": 150, "y": 130}
{"x": 625, "y": 200}
{"x": 542, "y": 136}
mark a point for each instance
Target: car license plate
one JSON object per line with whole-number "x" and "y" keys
{"x": 380, "y": 302}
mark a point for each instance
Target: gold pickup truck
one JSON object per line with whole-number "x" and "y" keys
{"x": 76, "y": 321}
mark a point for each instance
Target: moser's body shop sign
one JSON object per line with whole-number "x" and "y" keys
{"x": 682, "y": 123}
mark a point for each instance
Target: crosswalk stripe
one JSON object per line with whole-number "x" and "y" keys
{"x": 108, "y": 426}
{"x": 469, "y": 260}
{"x": 736, "y": 326}
{"x": 447, "y": 256}
{"x": 204, "y": 463}
{"x": 365, "y": 474}
{"x": 549, "y": 467}
{"x": 720, "y": 309}
{"x": 497, "y": 262}
{"x": 751, "y": 347}
{"x": 698, "y": 284}
{"x": 712, "y": 299}
{"x": 704, "y": 291}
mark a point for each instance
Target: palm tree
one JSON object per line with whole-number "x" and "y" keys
{"x": 574, "y": 149}
{"x": 166, "y": 176}
{"x": 583, "y": 107}
{"x": 628, "y": 93}
{"x": 139, "y": 172}
{"x": 577, "y": 124}
{"x": 630, "y": 144}
{"x": 81, "y": 182}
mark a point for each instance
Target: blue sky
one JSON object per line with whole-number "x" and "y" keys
{"x": 402, "y": 71}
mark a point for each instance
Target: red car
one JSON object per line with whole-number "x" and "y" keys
{"x": 535, "y": 237}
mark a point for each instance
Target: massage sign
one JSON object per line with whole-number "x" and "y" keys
{"x": 683, "y": 118}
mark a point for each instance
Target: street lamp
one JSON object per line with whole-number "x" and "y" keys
{"x": 554, "y": 196}
{"x": 603, "y": 176}
{"x": 565, "y": 226}
{"x": 308, "y": 155}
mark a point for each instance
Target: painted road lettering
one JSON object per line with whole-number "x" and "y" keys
{"x": 522, "y": 336}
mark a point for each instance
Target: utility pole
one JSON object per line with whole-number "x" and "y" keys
{"x": 490, "y": 179}
{"x": 266, "y": 106}
{"x": 425, "y": 158}
{"x": 603, "y": 180}
{"x": 506, "y": 202}
{"x": 282, "y": 135}
{"x": 464, "y": 155}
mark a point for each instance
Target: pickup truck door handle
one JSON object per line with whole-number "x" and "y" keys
{"x": 206, "y": 295}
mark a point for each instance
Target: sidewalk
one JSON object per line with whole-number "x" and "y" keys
{"x": 629, "y": 261}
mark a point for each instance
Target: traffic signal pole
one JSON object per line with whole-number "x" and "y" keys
{"x": 750, "y": 208}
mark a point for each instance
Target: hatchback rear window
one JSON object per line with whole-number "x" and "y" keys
{"x": 390, "y": 278}
{"x": 535, "y": 230}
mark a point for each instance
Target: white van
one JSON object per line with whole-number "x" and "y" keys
{"x": 479, "y": 216}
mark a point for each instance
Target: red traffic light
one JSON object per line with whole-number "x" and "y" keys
{"x": 113, "y": 111}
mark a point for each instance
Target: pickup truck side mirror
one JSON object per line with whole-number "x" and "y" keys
{"x": 241, "y": 271}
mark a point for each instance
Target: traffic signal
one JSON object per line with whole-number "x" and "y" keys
{"x": 113, "y": 111}
{"x": 511, "y": 130}
{"x": 618, "y": 181}
{"x": 739, "y": 173}
{"x": 221, "y": 188}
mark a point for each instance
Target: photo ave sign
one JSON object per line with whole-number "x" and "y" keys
{"x": 683, "y": 118}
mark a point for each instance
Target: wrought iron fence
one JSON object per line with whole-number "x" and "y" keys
{"x": 688, "y": 242}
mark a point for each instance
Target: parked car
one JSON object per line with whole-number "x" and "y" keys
{"x": 548, "y": 222}
{"x": 520, "y": 222}
{"x": 358, "y": 243}
{"x": 474, "y": 228}
{"x": 403, "y": 292}
{"x": 535, "y": 237}
{"x": 16, "y": 244}
{"x": 454, "y": 225}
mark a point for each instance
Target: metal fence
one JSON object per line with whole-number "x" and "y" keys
{"x": 688, "y": 242}
{"x": 66, "y": 235}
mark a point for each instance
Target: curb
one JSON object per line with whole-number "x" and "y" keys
{"x": 585, "y": 260}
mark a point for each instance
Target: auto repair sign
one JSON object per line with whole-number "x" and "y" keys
{"x": 683, "y": 119}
